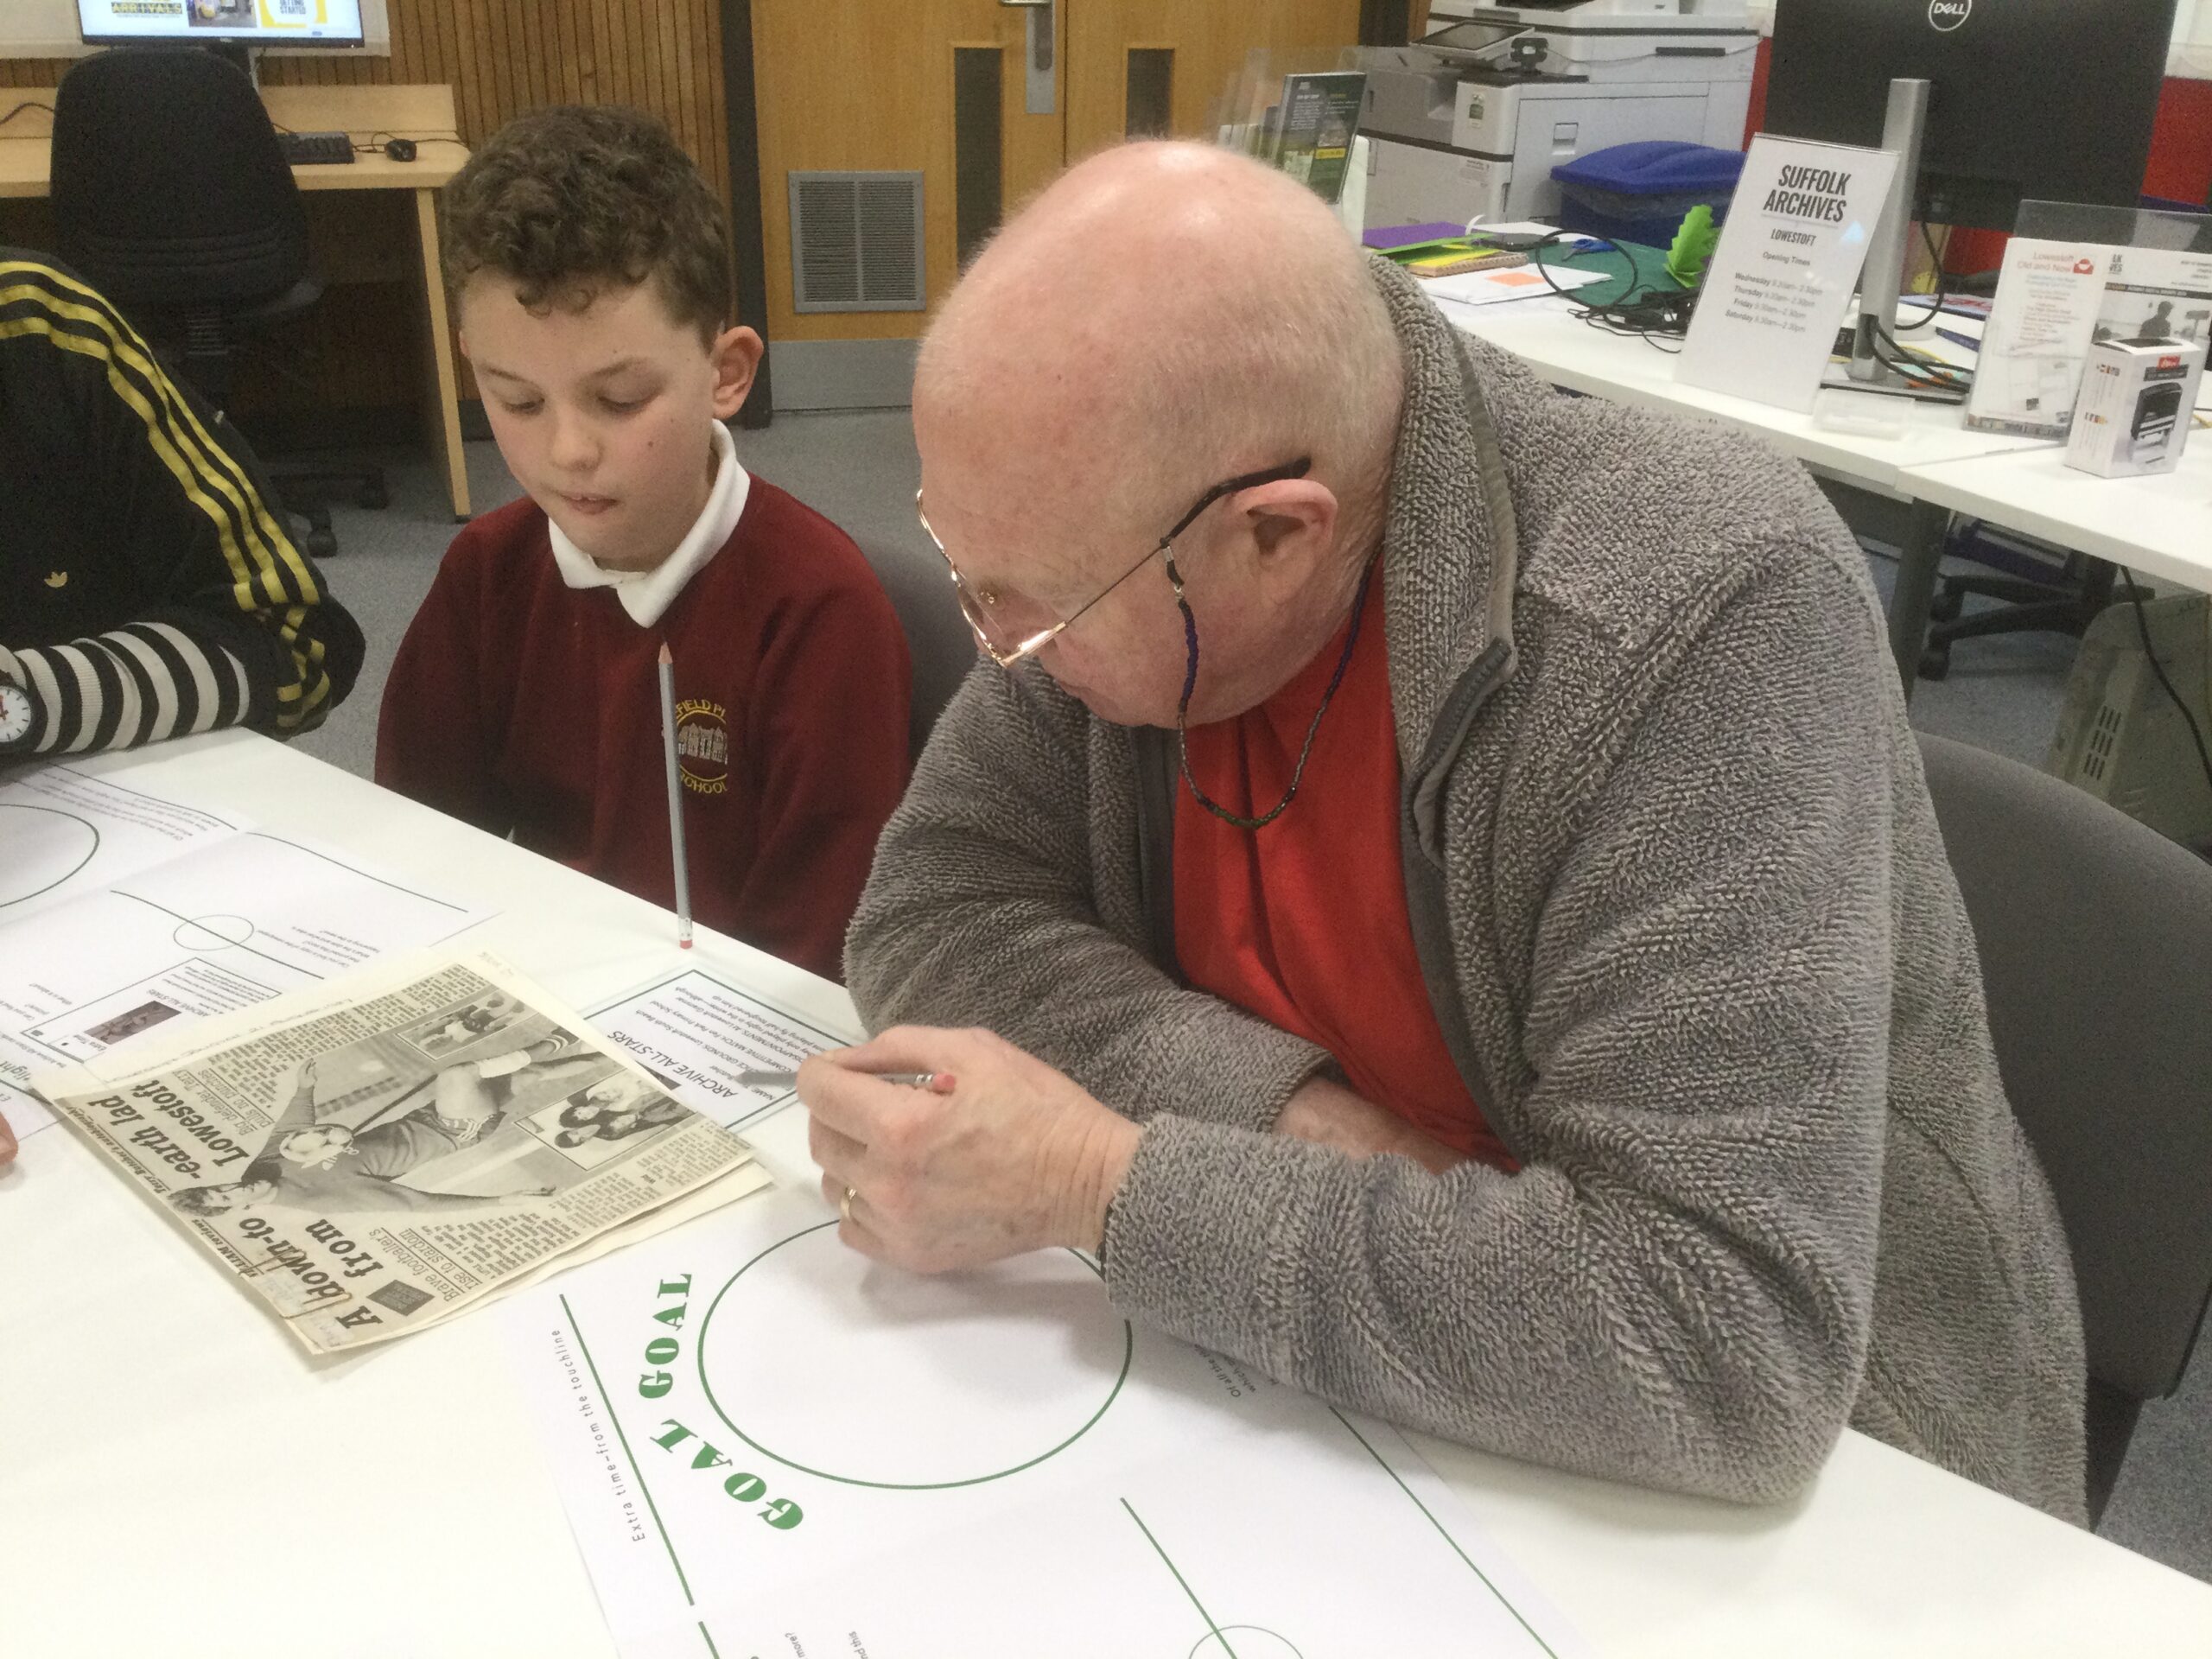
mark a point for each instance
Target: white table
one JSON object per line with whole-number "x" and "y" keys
{"x": 1936, "y": 464}
{"x": 2157, "y": 526}
{"x": 176, "y": 1479}
{"x": 1571, "y": 353}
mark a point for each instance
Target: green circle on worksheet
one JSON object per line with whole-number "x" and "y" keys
{"x": 1252, "y": 1642}
{"x": 46, "y": 846}
{"x": 841, "y": 1368}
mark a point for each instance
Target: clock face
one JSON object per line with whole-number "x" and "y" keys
{"x": 15, "y": 714}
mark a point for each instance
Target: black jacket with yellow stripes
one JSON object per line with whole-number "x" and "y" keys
{"x": 147, "y": 586}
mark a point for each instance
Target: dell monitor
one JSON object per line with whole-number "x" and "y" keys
{"x": 2052, "y": 99}
{"x": 221, "y": 22}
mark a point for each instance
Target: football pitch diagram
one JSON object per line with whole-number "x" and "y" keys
{"x": 769, "y": 1445}
{"x": 928, "y": 1382}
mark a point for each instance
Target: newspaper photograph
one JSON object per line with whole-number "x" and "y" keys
{"x": 375, "y": 1154}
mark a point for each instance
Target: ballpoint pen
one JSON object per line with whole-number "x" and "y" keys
{"x": 786, "y": 1081}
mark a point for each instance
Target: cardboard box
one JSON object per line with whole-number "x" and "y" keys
{"x": 2136, "y": 400}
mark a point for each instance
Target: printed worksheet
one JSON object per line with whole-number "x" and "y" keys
{"x": 770, "y": 1447}
{"x": 699, "y": 1034}
{"x": 63, "y": 831}
{"x": 1512, "y": 284}
{"x": 121, "y": 912}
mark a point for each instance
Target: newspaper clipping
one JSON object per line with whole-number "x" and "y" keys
{"x": 376, "y": 1154}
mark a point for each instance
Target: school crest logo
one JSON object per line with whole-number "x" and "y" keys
{"x": 703, "y": 745}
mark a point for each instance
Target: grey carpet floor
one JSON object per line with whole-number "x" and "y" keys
{"x": 860, "y": 470}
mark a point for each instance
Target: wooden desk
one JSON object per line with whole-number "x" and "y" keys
{"x": 365, "y": 113}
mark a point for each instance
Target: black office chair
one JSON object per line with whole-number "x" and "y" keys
{"x": 2066, "y": 601}
{"x": 2096, "y": 935}
{"x": 171, "y": 197}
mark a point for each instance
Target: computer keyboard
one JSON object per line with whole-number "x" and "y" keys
{"x": 315, "y": 148}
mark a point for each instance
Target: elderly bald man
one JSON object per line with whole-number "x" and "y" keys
{"x": 1460, "y": 912}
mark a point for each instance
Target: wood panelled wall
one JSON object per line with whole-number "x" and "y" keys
{"x": 500, "y": 57}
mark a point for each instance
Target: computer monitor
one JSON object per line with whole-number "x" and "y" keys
{"x": 2046, "y": 99}
{"x": 227, "y": 23}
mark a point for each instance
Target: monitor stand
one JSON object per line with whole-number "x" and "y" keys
{"x": 1903, "y": 123}
{"x": 236, "y": 52}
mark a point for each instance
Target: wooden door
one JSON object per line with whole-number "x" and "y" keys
{"x": 846, "y": 85}
{"x": 1137, "y": 66}
{"x": 952, "y": 96}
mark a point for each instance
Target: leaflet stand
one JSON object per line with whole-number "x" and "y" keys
{"x": 1298, "y": 110}
{"x": 2076, "y": 273}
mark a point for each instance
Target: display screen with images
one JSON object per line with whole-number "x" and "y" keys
{"x": 275, "y": 22}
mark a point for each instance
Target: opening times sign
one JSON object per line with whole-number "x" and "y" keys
{"x": 1782, "y": 276}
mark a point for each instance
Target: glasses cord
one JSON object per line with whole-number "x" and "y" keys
{"x": 1191, "y": 680}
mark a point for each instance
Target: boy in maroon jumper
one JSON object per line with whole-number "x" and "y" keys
{"x": 587, "y": 264}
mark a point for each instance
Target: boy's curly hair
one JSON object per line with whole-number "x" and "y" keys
{"x": 571, "y": 200}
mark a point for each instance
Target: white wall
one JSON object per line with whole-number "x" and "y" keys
{"x": 2192, "y": 40}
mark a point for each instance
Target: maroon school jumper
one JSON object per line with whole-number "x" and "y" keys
{"x": 523, "y": 705}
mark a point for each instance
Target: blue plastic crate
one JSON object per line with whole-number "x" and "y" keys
{"x": 1640, "y": 191}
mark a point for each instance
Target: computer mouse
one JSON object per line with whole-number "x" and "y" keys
{"x": 400, "y": 149}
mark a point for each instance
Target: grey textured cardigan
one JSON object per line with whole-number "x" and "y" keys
{"x": 1689, "y": 930}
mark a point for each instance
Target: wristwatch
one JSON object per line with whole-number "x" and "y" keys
{"x": 18, "y": 717}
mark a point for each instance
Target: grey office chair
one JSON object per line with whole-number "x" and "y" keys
{"x": 2096, "y": 949}
{"x": 913, "y": 574}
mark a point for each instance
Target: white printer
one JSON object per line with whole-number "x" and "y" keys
{"x": 1471, "y": 118}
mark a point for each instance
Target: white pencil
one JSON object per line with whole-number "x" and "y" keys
{"x": 675, "y": 800}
